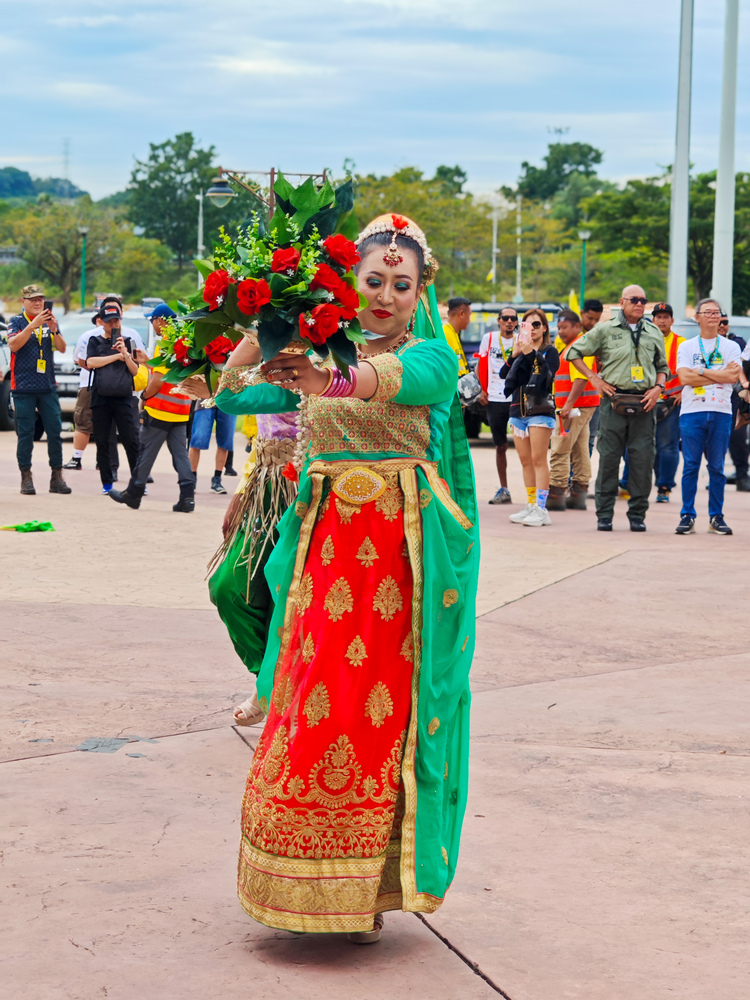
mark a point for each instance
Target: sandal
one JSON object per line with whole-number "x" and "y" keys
{"x": 249, "y": 713}
{"x": 368, "y": 937}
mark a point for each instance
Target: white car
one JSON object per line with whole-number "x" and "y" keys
{"x": 7, "y": 421}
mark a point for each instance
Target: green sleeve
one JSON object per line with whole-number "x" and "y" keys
{"x": 587, "y": 345}
{"x": 262, "y": 398}
{"x": 421, "y": 375}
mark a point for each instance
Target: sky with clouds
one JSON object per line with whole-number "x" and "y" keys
{"x": 303, "y": 85}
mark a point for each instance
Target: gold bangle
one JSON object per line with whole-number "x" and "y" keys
{"x": 327, "y": 385}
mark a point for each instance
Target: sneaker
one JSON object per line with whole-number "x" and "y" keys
{"x": 150, "y": 479}
{"x": 636, "y": 525}
{"x": 662, "y": 495}
{"x": 718, "y": 526}
{"x": 185, "y": 505}
{"x": 74, "y": 463}
{"x": 216, "y": 486}
{"x": 538, "y": 517}
{"x": 502, "y": 496}
{"x": 686, "y": 525}
{"x": 521, "y": 515}
{"x": 603, "y": 524}
{"x": 106, "y": 487}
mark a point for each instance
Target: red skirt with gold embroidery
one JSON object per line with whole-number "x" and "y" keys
{"x": 321, "y": 812}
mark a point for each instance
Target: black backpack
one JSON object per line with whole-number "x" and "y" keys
{"x": 113, "y": 380}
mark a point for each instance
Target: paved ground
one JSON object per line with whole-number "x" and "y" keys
{"x": 605, "y": 847}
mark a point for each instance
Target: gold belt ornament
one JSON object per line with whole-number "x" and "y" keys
{"x": 359, "y": 485}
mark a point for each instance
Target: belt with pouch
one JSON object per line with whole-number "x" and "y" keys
{"x": 627, "y": 403}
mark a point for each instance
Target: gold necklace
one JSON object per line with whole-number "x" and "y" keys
{"x": 386, "y": 350}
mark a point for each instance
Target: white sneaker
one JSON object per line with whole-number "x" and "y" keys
{"x": 521, "y": 515}
{"x": 538, "y": 517}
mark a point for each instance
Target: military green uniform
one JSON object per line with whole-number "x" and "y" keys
{"x": 630, "y": 360}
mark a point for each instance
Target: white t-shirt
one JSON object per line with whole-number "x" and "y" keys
{"x": 83, "y": 343}
{"x": 494, "y": 348}
{"x": 717, "y": 397}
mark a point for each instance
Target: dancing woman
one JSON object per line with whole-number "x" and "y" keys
{"x": 356, "y": 794}
{"x": 528, "y": 381}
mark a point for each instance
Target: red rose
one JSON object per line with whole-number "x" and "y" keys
{"x": 320, "y": 324}
{"x": 399, "y": 222}
{"x": 348, "y": 299}
{"x": 218, "y": 349}
{"x": 290, "y": 472}
{"x": 326, "y": 277}
{"x": 181, "y": 352}
{"x": 342, "y": 250}
{"x": 285, "y": 260}
{"x": 215, "y": 289}
{"x": 252, "y": 295}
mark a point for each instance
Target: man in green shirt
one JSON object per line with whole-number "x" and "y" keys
{"x": 632, "y": 359}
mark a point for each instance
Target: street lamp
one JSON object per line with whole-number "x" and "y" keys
{"x": 220, "y": 192}
{"x": 83, "y": 231}
{"x": 584, "y": 235}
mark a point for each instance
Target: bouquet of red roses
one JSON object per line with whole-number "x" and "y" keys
{"x": 291, "y": 281}
{"x": 178, "y": 352}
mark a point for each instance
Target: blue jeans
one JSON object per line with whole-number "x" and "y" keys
{"x": 203, "y": 424}
{"x": 48, "y": 404}
{"x": 707, "y": 432}
{"x": 667, "y": 449}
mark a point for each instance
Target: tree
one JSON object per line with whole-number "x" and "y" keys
{"x": 137, "y": 266}
{"x": 48, "y": 239}
{"x": 562, "y": 160}
{"x": 15, "y": 183}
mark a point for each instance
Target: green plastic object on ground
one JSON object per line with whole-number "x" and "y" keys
{"x": 29, "y": 526}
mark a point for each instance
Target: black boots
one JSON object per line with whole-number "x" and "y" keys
{"x": 186, "y": 503}
{"x": 123, "y": 496}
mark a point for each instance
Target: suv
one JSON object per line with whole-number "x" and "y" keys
{"x": 483, "y": 320}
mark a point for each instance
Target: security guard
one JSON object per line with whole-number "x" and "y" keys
{"x": 632, "y": 360}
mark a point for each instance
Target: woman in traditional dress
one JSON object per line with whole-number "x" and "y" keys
{"x": 357, "y": 790}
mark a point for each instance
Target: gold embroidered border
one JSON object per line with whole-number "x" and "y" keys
{"x": 336, "y": 895}
{"x": 413, "y": 533}
{"x": 389, "y": 369}
{"x": 440, "y": 491}
{"x": 237, "y": 379}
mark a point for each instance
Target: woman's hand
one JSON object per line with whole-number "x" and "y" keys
{"x": 195, "y": 387}
{"x": 295, "y": 371}
{"x": 523, "y": 340}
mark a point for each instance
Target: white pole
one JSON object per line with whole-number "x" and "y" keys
{"x": 679, "y": 220}
{"x": 199, "y": 199}
{"x": 519, "y": 294}
{"x": 494, "y": 253}
{"x": 724, "y": 220}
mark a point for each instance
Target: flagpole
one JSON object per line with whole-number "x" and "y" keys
{"x": 680, "y": 211}
{"x": 725, "y": 180}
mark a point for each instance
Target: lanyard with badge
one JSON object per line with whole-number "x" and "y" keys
{"x": 636, "y": 370}
{"x": 715, "y": 355}
{"x": 41, "y": 362}
{"x": 507, "y": 355}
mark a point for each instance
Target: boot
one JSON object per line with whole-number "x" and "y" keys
{"x": 27, "y": 483}
{"x": 124, "y": 496}
{"x": 57, "y": 484}
{"x": 556, "y": 498}
{"x": 577, "y": 498}
{"x": 186, "y": 503}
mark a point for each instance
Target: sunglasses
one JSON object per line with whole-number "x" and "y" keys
{"x": 536, "y": 324}
{"x": 509, "y": 319}
{"x": 637, "y": 300}
{"x": 723, "y": 322}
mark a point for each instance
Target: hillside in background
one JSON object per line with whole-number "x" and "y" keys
{"x": 15, "y": 183}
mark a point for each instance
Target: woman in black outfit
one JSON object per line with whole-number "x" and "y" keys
{"x": 529, "y": 381}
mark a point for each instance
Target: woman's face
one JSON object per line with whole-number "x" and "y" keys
{"x": 537, "y": 330}
{"x": 391, "y": 292}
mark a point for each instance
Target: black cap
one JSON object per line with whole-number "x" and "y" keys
{"x": 662, "y": 307}
{"x": 109, "y": 313}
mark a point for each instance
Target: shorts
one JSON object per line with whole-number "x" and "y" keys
{"x": 498, "y": 415}
{"x": 82, "y": 418}
{"x": 203, "y": 424}
{"x": 521, "y": 425}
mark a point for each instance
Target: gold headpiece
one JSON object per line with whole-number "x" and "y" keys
{"x": 401, "y": 225}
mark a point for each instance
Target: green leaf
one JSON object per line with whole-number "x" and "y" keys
{"x": 345, "y": 196}
{"x": 354, "y": 332}
{"x": 217, "y": 316}
{"x": 232, "y": 309}
{"x": 305, "y": 198}
{"x": 283, "y": 191}
{"x": 325, "y": 220}
{"x": 176, "y": 375}
{"x": 342, "y": 348}
{"x": 274, "y": 334}
{"x": 206, "y": 332}
{"x": 278, "y": 284}
{"x": 279, "y": 226}
{"x": 348, "y": 226}
{"x": 205, "y": 267}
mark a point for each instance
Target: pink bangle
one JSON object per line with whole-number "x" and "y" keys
{"x": 339, "y": 387}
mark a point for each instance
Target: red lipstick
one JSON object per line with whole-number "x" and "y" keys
{"x": 381, "y": 313}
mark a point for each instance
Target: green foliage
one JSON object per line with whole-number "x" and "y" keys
{"x": 563, "y": 159}
{"x": 15, "y": 183}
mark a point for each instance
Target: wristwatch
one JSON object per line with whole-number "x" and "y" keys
{"x": 701, "y": 371}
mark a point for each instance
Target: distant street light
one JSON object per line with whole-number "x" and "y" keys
{"x": 83, "y": 231}
{"x": 584, "y": 235}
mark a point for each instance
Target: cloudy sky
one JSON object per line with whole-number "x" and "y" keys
{"x": 304, "y": 84}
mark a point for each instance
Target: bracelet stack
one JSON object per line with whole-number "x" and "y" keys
{"x": 338, "y": 387}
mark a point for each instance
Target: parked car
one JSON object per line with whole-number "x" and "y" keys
{"x": 483, "y": 319}
{"x": 7, "y": 417}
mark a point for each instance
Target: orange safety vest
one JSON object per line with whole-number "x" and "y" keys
{"x": 564, "y": 385}
{"x": 674, "y": 383}
{"x": 174, "y": 403}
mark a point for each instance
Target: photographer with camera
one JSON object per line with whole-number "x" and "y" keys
{"x": 33, "y": 336}
{"x": 109, "y": 359}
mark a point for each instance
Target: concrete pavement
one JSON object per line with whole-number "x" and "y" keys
{"x": 604, "y": 853}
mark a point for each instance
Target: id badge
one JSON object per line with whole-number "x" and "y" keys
{"x": 636, "y": 373}
{"x": 41, "y": 366}
{"x": 699, "y": 390}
